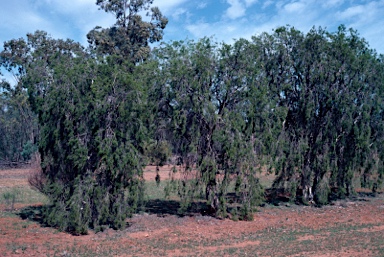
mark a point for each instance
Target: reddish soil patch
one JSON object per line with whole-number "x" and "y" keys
{"x": 150, "y": 172}
{"x": 167, "y": 172}
{"x": 346, "y": 228}
{"x": 14, "y": 177}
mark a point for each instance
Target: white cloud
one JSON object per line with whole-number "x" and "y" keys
{"x": 295, "y": 7}
{"x": 362, "y": 16}
{"x": 279, "y": 4}
{"x": 369, "y": 11}
{"x": 200, "y": 29}
{"x": 351, "y": 12}
{"x": 267, "y": 4}
{"x": 374, "y": 35}
{"x": 222, "y": 31}
{"x": 236, "y": 9}
{"x": 332, "y": 3}
{"x": 195, "y": 19}
{"x": 301, "y": 14}
{"x": 72, "y": 6}
{"x": 368, "y": 20}
{"x": 202, "y": 5}
{"x": 167, "y": 6}
{"x": 18, "y": 18}
{"x": 249, "y": 3}
{"x": 178, "y": 12}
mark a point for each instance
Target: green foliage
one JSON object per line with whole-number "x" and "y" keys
{"x": 90, "y": 111}
{"x": 158, "y": 153}
{"x": 28, "y": 149}
{"x": 328, "y": 84}
{"x": 129, "y": 38}
{"x": 308, "y": 107}
{"x": 93, "y": 134}
{"x": 300, "y": 105}
{"x": 201, "y": 112}
{"x": 323, "y": 192}
{"x": 18, "y": 125}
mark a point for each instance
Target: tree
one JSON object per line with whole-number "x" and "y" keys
{"x": 201, "y": 91}
{"x": 326, "y": 83}
{"x": 308, "y": 107}
{"x": 18, "y": 126}
{"x": 90, "y": 112}
{"x": 129, "y": 38}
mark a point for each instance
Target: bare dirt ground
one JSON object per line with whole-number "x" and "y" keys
{"x": 345, "y": 228}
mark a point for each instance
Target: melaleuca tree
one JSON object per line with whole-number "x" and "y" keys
{"x": 293, "y": 88}
{"x": 201, "y": 90}
{"x": 372, "y": 176}
{"x": 91, "y": 167}
{"x": 185, "y": 112}
{"x": 90, "y": 112}
{"x": 325, "y": 84}
{"x": 99, "y": 140}
{"x": 359, "y": 75}
{"x": 243, "y": 102}
{"x": 37, "y": 60}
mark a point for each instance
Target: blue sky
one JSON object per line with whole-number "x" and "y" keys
{"x": 192, "y": 19}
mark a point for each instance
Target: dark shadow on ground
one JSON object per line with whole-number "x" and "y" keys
{"x": 33, "y": 213}
{"x": 276, "y": 196}
{"x": 160, "y": 207}
{"x": 171, "y": 207}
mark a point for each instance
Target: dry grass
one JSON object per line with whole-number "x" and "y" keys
{"x": 346, "y": 228}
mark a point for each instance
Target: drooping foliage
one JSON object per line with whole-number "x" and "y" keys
{"x": 306, "y": 107}
{"x": 205, "y": 97}
{"x": 327, "y": 84}
{"x": 90, "y": 111}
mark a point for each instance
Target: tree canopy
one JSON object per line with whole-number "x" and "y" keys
{"x": 307, "y": 107}
{"x": 90, "y": 111}
{"x": 129, "y": 38}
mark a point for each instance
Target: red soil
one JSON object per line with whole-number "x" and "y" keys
{"x": 346, "y": 228}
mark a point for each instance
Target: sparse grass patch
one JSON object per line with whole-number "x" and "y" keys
{"x": 16, "y": 248}
{"x": 23, "y": 195}
{"x": 270, "y": 234}
{"x": 154, "y": 190}
{"x": 10, "y": 198}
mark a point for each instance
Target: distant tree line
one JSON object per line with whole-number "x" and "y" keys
{"x": 305, "y": 107}
{"x": 18, "y": 127}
